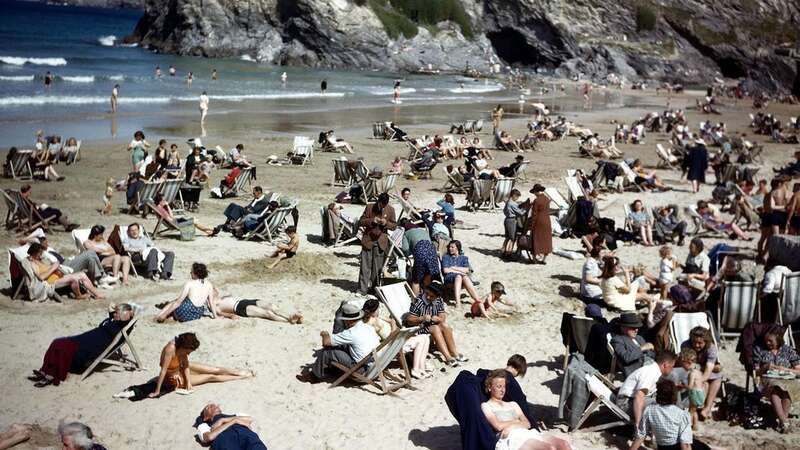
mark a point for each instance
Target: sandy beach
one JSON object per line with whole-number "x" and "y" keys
{"x": 293, "y": 415}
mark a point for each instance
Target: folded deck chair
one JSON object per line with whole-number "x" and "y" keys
{"x": 171, "y": 192}
{"x": 557, "y": 201}
{"x": 501, "y": 191}
{"x": 269, "y": 228}
{"x": 601, "y": 389}
{"x": 738, "y": 307}
{"x": 377, "y": 363}
{"x": 302, "y": 150}
{"x": 21, "y": 165}
{"x": 341, "y": 173}
{"x": 114, "y": 350}
{"x": 629, "y": 175}
{"x": 245, "y": 177}
{"x": 665, "y": 159}
{"x": 681, "y": 325}
{"x": 146, "y": 194}
{"x": 481, "y": 194}
{"x": 574, "y": 188}
{"x": 789, "y": 306}
{"x": 397, "y": 298}
{"x": 28, "y": 217}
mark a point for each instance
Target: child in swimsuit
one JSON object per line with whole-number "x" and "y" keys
{"x": 481, "y": 308}
{"x": 107, "y": 206}
{"x": 288, "y": 250}
{"x": 694, "y": 385}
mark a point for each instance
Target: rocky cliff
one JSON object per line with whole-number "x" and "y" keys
{"x": 675, "y": 40}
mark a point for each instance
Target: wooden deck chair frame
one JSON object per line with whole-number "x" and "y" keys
{"x": 269, "y": 228}
{"x": 115, "y": 348}
{"x": 352, "y": 230}
{"x": 14, "y": 261}
{"x": 395, "y": 242}
{"x": 501, "y": 191}
{"x": 12, "y": 219}
{"x": 556, "y": 198}
{"x": 146, "y": 194}
{"x": 601, "y": 388}
{"x": 414, "y": 151}
{"x": 415, "y": 214}
{"x": 28, "y": 216}
{"x": 682, "y": 324}
{"x": 741, "y": 296}
{"x": 302, "y": 150}
{"x": 390, "y": 296}
{"x": 574, "y": 188}
{"x": 171, "y": 191}
{"x": 168, "y": 225}
{"x": 341, "y": 173}
{"x": 377, "y": 375}
{"x": 665, "y": 159}
{"x": 789, "y": 297}
{"x": 700, "y": 227}
{"x": 629, "y": 175}
{"x": 520, "y": 173}
{"x": 452, "y": 185}
{"x": 21, "y": 165}
{"x": 482, "y": 191}
{"x": 245, "y": 177}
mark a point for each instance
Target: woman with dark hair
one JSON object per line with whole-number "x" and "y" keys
{"x": 541, "y": 231}
{"x": 138, "y": 148}
{"x": 776, "y": 356}
{"x": 639, "y": 218}
{"x": 670, "y": 425}
{"x": 702, "y": 342}
{"x": 448, "y": 205}
{"x": 53, "y": 275}
{"x": 618, "y": 293}
{"x": 456, "y": 268}
{"x": 194, "y": 301}
{"x": 108, "y": 256}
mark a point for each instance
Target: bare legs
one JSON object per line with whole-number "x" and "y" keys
{"x": 713, "y": 388}
{"x": 264, "y": 310}
{"x": 15, "y": 434}
{"x": 117, "y": 262}
{"x": 646, "y": 233}
{"x": 75, "y": 280}
{"x": 168, "y": 310}
{"x": 546, "y": 443}
{"x": 463, "y": 280}
{"x": 208, "y": 231}
{"x": 443, "y": 339}
{"x": 781, "y": 403}
{"x": 203, "y": 374}
{"x": 278, "y": 256}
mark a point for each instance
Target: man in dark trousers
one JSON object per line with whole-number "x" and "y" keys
{"x": 234, "y": 212}
{"x": 226, "y": 431}
{"x": 377, "y": 220}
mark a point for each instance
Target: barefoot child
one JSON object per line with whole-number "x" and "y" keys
{"x": 107, "y": 206}
{"x": 668, "y": 265}
{"x": 694, "y": 385}
{"x": 481, "y": 308}
{"x": 288, "y": 250}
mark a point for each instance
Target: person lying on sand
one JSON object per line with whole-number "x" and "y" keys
{"x": 288, "y": 250}
{"x": 232, "y": 307}
{"x": 226, "y": 431}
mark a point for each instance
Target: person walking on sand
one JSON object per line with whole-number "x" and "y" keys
{"x": 541, "y": 231}
{"x": 203, "y": 106}
{"x": 323, "y": 87}
{"x": 114, "y": 98}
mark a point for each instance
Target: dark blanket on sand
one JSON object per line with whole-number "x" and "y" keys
{"x": 464, "y": 398}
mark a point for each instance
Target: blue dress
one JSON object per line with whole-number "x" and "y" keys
{"x": 453, "y": 261}
{"x": 426, "y": 261}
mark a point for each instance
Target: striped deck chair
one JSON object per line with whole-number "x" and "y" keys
{"x": 388, "y": 183}
{"x": 349, "y": 231}
{"x": 557, "y": 201}
{"x": 395, "y": 250}
{"x": 481, "y": 193}
{"x": 477, "y": 126}
{"x": 377, "y": 130}
{"x": 341, "y": 173}
{"x": 789, "y": 306}
{"x": 269, "y": 229}
{"x": 245, "y": 177}
{"x": 414, "y": 149}
{"x": 377, "y": 374}
{"x": 113, "y": 355}
{"x": 501, "y": 191}
{"x": 164, "y": 223}
{"x": 302, "y": 150}
{"x": 738, "y": 307}
{"x": 397, "y": 298}
{"x": 601, "y": 389}
{"x": 574, "y": 187}
{"x": 630, "y": 177}
{"x": 171, "y": 191}
{"x": 666, "y": 160}
{"x": 20, "y": 165}
{"x": 454, "y": 183}
{"x": 28, "y": 217}
{"x": 469, "y": 126}
{"x": 681, "y": 325}
{"x": 146, "y": 194}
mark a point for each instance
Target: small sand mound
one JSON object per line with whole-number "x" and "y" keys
{"x": 303, "y": 265}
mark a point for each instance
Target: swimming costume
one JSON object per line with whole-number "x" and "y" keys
{"x": 241, "y": 307}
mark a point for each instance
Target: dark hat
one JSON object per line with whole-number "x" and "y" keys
{"x": 629, "y": 320}
{"x": 519, "y": 157}
{"x": 435, "y": 287}
{"x": 593, "y": 311}
{"x": 537, "y": 188}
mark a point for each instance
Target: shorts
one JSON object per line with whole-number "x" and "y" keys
{"x": 240, "y": 308}
{"x": 697, "y": 397}
{"x": 290, "y": 254}
{"x": 795, "y": 222}
{"x": 187, "y": 311}
{"x": 510, "y": 226}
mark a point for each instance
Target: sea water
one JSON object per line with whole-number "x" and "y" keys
{"x": 83, "y": 49}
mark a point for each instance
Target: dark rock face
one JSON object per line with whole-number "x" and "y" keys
{"x": 691, "y": 42}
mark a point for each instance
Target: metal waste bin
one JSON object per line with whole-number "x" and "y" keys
{"x": 187, "y": 229}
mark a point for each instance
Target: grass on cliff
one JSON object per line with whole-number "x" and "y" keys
{"x": 646, "y": 17}
{"x": 403, "y": 17}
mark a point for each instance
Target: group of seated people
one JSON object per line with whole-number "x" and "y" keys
{"x": 329, "y": 142}
{"x": 595, "y": 147}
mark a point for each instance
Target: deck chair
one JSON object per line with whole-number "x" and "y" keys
{"x": 269, "y": 229}
{"x": 397, "y": 298}
{"x": 578, "y": 331}
{"x": 477, "y": 126}
{"x": 21, "y": 165}
{"x": 302, "y": 150}
{"x": 469, "y": 126}
{"x": 12, "y": 220}
{"x": 377, "y": 374}
{"x": 245, "y": 177}
{"x": 501, "y": 191}
{"x": 146, "y": 194}
{"x": 348, "y": 232}
{"x": 16, "y": 275}
{"x": 454, "y": 183}
{"x": 574, "y": 187}
{"x": 738, "y": 307}
{"x": 520, "y": 174}
{"x": 341, "y": 173}
{"x": 681, "y": 325}
{"x": 481, "y": 194}
{"x": 28, "y": 217}
{"x": 414, "y": 150}
{"x": 601, "y": 389}
{"x": 666, "y": 160}
{"x": 557, "y": 201}
{"x": 388, "y": 182}
{"x": 395, "y": 250}
{"x": 413, "y": 213}
{"x": 630, "y": 177}
{"x": 789, "y": 303}
{"x": 700, "y": 227}
{"x": 171, "y": 192}
{"x": 114, "y": 349}
{"x": 629, "y": 224}
{"x": 377, "y": 130}
{"x": 82, "y": 235}
{"x": 164, "y": 223}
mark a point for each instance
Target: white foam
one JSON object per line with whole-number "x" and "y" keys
{"x": 107, "y": 41}
{"x": 391, "y": 91}
{"x": 429, "y": 89}
{"x": 477, "y": 90}
{"x": 79, "y": 79}
{"x": 135, "y": 44}
{"x": 75, "y": 100}
{"x": 247, "y": 58}
{"x": 295, "y": 95}
{"x": 20, "y": 61}
{"x": 116, "y": 77}
{"x": 17, "y": 78}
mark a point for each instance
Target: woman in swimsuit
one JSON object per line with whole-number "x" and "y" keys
{"x": 512, "y": 427}
{"x": 52, "y": 275}
{"x": 178, "y": 373}
{"x": 108, "y": 256}
{"x": 194, "y": 302}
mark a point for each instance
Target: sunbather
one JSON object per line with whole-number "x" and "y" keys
{"x": 47, "y": 211}
{"x": 119, "y": 264}
{"x": 641, "y": 220}
{"x": 164, "y": 211}
{"x": 53, "y": 275}
{"x": 73, "y": 354}
{"x": 44, "y": 163}
{"x": 712, "y": 222}
{"x": 194, "y": 301}
{"x": 650, "y": 179}
{"x": 231, "y": 306}
{"x": 226, "y": 431}
{"x": 288, "y": 250}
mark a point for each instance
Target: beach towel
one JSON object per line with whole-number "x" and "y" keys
{"x": 464, "y": 398}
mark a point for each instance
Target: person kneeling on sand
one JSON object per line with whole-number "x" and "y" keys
{"x": 427, "y": 311}
{"x": 288, "y": 250}
{"x": 180, "y": 375}
{"x": 232, "y": 307}
{"x": 347, "y": 347}
{"x": 226, "y": 431}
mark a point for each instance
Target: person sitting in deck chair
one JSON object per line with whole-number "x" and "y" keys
{"x": 347, "y": 347}
{"x": 226, "y": 431}
{"x": 164, "y": 211}
{"x": 48, "y": 211}
{"x": 235, "y": 213}
{"x": 428, "y": 312}
{"x": 511, "y": 169}
{"x": 75, "y": 353}
{"x": 144, "y": 253}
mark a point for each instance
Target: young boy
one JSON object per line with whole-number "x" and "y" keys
{"x": 694, "y": 385}
{"x": 288, "y": 250}
{"x": 481, "y": 308}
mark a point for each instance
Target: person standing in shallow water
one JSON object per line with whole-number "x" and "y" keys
{"x": 114, "y": 98}
{"x": 203, "y": 106}
{"x": 323, "y": 87}
{"x": 213, "y": 74}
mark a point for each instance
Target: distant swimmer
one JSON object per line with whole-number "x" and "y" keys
{"x": 48, "y": 79}
{"x": 213, "y": 74}
{"x": 189, "y": 78}
{"x": 158, "y": 72}
{"x": 203, "y": 106}
{"x": 323, "y": 86}
{"x": 114, "y": 98}
{"x": 283, "y": 78}
{"x": 396, "y": 92}
{"x": 172, "y": 70}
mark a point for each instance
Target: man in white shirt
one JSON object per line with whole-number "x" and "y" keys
{"x": 226, "y": 431}
{"x": 770, "y": 290}
{"x": 639, "y": 388}
{"x": 696, "y": 268}
{"x": 347, "y": 347}
{"x": 144, "y": 253}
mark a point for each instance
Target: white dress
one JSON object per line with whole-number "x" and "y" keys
{"x": 516, "y": 437}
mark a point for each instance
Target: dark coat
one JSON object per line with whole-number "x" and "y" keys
{"x": 696, "y": 163}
